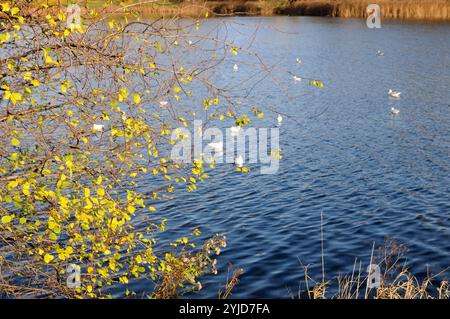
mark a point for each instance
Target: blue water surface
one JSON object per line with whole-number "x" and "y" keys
{"x": 370, "y": 174}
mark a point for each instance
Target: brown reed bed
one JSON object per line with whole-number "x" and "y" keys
{"x": 390, "y": 9}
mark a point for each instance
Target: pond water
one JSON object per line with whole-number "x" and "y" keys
{"x": 371, "y": 174}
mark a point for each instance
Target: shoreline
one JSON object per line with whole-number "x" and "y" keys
{"x": 438, "y": 10}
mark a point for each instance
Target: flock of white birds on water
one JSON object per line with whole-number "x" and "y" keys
{"x": 235, "y": 130}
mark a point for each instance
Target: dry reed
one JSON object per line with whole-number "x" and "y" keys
{"x": 390, "y": 9}
{"x": 396, "y": 281}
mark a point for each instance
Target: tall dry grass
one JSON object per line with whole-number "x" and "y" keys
{"x": 396, "y": 281}
{"x": 390, "y": 9}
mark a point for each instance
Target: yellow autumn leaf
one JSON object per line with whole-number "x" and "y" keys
{"x": 27, "y": 76}
{"x": 131, "y": 209}
{"x": 6, "y": 219}
{"x": 49, "y": 60}
{"x": 137, "y": 99}
{"x": 26, "y": 189}
{"x": 14, "y": 97}
{"x": 5, "y": 7}
{"x": 48, "y": 258}
{"x": 15, "y": 142}
{"x": 88, "y": 204}
{"x": 100, "y": 192}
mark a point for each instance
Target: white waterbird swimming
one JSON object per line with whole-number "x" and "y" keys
{"x": 279, "y": 119}
{"x": 235, "y": 130}
{"x": 395, "y": 94}
{"x": 239, "y": 161}
{"x": 98, "y": 128}
{"x": 395, "y": 111}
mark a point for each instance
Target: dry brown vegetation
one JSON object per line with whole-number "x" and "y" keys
{"x": 390, "y": 9}
{"x": 397, "y": 282}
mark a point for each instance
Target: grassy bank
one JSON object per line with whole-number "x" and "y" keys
{"x": 391, "y": 9}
